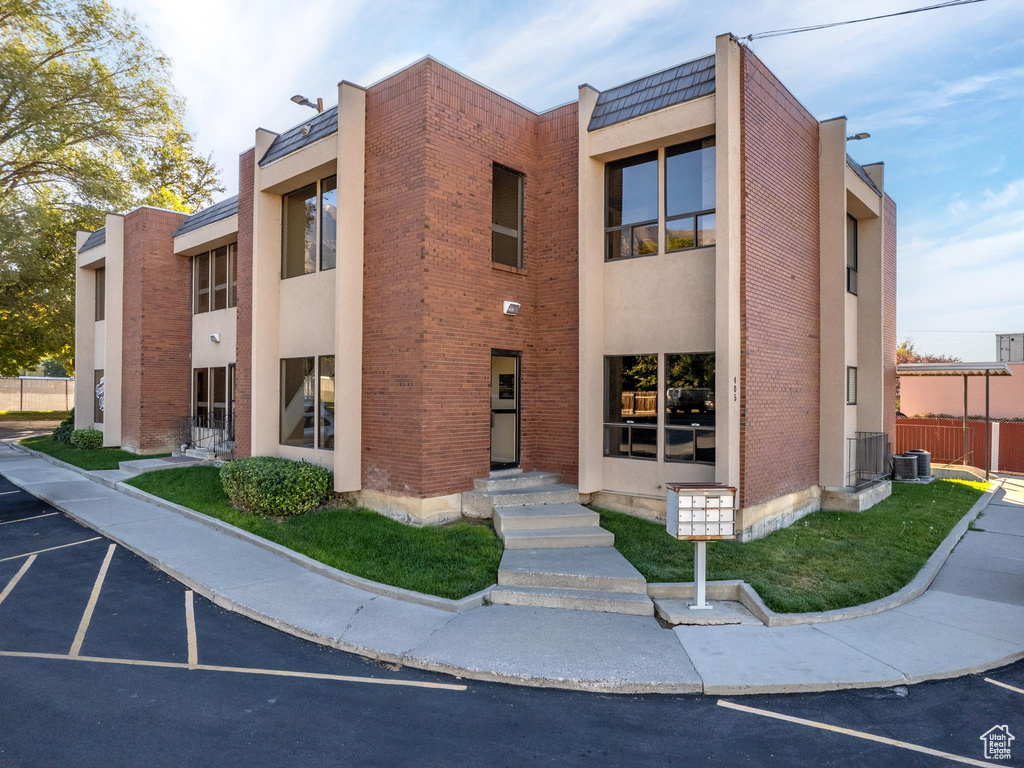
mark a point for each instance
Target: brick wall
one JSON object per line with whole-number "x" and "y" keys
{"x": 243, "y": 322}
{"x": 157, "y": 332}
{"x": 889, "y": 318}
{"x": 780, "y": 289}
{"x": 433, "y": 299}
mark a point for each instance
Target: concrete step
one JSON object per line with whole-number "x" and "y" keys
{"x": 559, "y": 538}
{"x": 139, "y": 466}
{"x": 541, "y": 516}
{"x": 518, "y": 480}
{"x": 601, "y": 569}
{"x": 574, "y": 600}
{"x": 482, "y": 503}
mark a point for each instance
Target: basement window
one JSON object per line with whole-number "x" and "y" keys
{"x": 506, "y": 217}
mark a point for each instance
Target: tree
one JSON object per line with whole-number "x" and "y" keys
{"x": 906, "y": 352}
{"x": 88, "y": 123}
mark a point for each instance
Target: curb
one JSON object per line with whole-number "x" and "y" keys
{"x": 397, "y": 593}
{"x": 745, "y": 594}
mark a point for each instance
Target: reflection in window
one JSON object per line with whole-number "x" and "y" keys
{"x": 299, "y": 238}
{"x": 690, "y": 408}
{"x": 690, "y": 195}
{"x": 220, "y": 278}
{"x": 98, "y": 396}
{"x": 631, "y": 207}
{"x": 201, "y": 396}
{"x": 233, "y": 278}
{"x": 506, "y": 217}
{"x": 328, "y": 222}
{"x": 298, "y": 393}
{"x": 851, "y": 254}
{"x": 101, "y": 293}
{"x": 631, "y": 406}
{"x": 325, "y": 417}
{"x": 201, "y": 279}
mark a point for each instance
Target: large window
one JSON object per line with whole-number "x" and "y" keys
{"x": 690, "y": 408}
{"x": 325, "y": 413}
{"x": 631, "y": 406}
{"x": 851, "y": 254}
{"x": 631, "y": 207}
{"x": 309, "y": 227}
{"x": 215, "y": 279}
{"x": 690, "y": 195}
{"x": 506, "y": 217}
{"x": 298, "y": 394}
{"x": 101, "y": 293}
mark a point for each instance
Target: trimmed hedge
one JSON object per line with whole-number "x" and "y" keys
{"x": 62, "y": 434}
{"x": 273, "y": 486}
{"x": 86, "y": 439}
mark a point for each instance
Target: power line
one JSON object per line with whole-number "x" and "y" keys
{"x": 794, "y": 30}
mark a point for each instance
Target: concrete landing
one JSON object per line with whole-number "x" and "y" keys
{"x": 599, "y": 568}
{"x": 139, "y": 466}
{"x": 678, "y": 612}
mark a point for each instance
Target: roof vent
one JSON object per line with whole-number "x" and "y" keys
{"x": 306, "y": 129}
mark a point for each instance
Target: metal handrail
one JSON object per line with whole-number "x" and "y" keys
{"x": 205, "y": 432}
{"x": 867, "y": 458}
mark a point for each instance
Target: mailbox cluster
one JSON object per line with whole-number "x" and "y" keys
{"x": 701, "y": 512}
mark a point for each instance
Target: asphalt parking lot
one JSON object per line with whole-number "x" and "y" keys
{"x": 106, "y": 661}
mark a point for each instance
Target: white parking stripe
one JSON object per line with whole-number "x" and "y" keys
{"x": 83, "y": 626}
{"x": 34, "y": 517}
{"x": 16, "y": 578}
{"x": 987, "y": 680}
{"x": 239, "y": 670}
{"x": 49, "y": 549}
{"x": 850, "y": 732}
{"x": 8, "y": 493}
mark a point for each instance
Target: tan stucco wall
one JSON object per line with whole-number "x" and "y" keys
{"x": 206, "y": 353}
{"x": 871, "y": 294}
{"x": 86, "y": 331}
{"x": 113, "y": 328}
{"x": 665, "y": 303}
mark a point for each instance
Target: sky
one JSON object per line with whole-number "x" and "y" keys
{"x": 940, "y": 92}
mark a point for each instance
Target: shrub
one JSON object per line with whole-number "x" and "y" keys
{"x": 86, "y": 439}
{"x": 62, "y": 434}
{"x": 275, "y": 486}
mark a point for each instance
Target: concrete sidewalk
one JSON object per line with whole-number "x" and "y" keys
{"x": 971, "y": 619}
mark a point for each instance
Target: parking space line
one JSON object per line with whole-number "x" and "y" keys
{"x": 34, "y": 517}
{"x": 237, "y": 670}
{"x": 76, "y": 646}
{"x": 850, "y": 732}
{"x": 1007, "y": 686}
{"x": 16, "y": 578}
{"x": 190, "y": 628}
{"x": 49, "y": 549}
{"x": 8, "y": 493}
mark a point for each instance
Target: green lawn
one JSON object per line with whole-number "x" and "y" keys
{"x": 97, "y": 458}
{"x": 826, "y": 560}
{"x": 450, "y": 561}
{"x": 33, "y": 415}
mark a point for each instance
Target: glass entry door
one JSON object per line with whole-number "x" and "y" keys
{"x": 504, "y": 410}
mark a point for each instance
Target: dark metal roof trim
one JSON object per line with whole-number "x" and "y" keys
{"x": 293, "y": 139}
{"x": 862, "y": 174}
{"x": 649, "y": 94}
{"x": 216, "y": 212}
{"x": 95, "y": 239}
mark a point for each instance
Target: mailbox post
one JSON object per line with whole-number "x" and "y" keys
{"x": 700, "y": 513}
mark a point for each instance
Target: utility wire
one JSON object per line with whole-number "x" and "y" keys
{"x": 794, "y": 30}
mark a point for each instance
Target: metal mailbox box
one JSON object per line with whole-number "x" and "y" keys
{"x": 700, "y": 512}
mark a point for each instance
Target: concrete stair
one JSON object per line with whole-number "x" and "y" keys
{"x": 557, "y": 555}
{"x": 140, "y": 466}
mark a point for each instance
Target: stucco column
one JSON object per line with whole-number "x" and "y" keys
{"x": 832, "y": 207}
{"x": 266, "y": 279}
{"x": 591, "y": 300}
{"x": 728, "y": 204}
{"x": 870, "y": 317}
{"x": 348, "y": 302}
{"x": 113, "y": 335}
{"x": 85, "y": 337}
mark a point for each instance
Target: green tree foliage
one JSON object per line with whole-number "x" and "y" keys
{"x": 89, "y": 123}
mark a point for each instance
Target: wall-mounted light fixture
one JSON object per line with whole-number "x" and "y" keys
{"x": 510, "y": 307}
{"x": 858, "y": 136}
{"x": 215, "y": 338}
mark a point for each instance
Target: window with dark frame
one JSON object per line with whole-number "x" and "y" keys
{"x": 631, "y": 406}
{"x": 201, "y": 396}
{"x": 690, "y": 408}
{"x": 97, "y": 411}
{"x": 220, "y": 278}
{"x": 851, "y": 385}
{"x": 325, "y": 409}
{"x": 690, "y": 195}
{"x": 309, "y": 229}
{"x": 201, "y": 279}
{"x": 851, "y": 254}
{"x": 506, "y": 216}
{"x": 298, "y": 396}
{"x": 233, "y": 276}
{"x": 631, "y": 207}
{"x": 101, "y": 293}
{"x": 215, "y": 279}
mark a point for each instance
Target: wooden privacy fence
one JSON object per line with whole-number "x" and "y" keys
{"x": 29, "y": 393}
{"x": 944, "y": 439}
